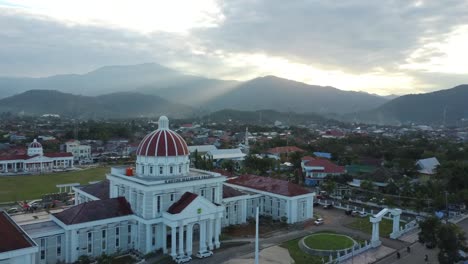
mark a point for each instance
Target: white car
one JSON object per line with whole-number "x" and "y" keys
{"x": 318, "y": 221}
{"x": 204, "y": 254}
{"x": 362, "y": 214}
{"x": 182, "y": 259}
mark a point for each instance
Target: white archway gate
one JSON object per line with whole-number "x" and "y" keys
{"x": 375, "y": 220}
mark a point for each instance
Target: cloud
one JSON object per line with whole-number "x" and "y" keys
{"x": 377, "y": 46}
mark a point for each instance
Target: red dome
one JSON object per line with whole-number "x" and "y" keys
{"x": 162, "y": 143}
{"x": 35, "y": 144}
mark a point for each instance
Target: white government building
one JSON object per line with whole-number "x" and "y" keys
{"x": 160, "y": 205}
{"x": 35, "y": 161}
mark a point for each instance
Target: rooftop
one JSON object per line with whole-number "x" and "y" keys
{"x": 267, "y": 184}
{"x": 13, "y": 238}
{"x": 229, "y": 192}
{"x": 182, "y": 203}
{"x": 99, "y": 190}
{"x": 41, "y": 227}
{"x": 95, "y": 210}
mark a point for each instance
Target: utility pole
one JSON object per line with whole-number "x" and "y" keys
{"x": 256, "y": 236}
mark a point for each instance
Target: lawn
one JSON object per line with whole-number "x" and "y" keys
{"x": 299, "y": 256}
{"x": 328, "y": 241}
{"x": 363, "y": 224}
{"x": 27, "y": 187}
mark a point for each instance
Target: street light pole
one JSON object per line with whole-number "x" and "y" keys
{"x": 256, "y": 236}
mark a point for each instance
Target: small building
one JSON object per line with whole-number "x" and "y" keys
{"x": 427, "y": 166}
{"x": 316, "y": 169}
{"x": 220, "y": 155}
{"x": 324, "y": 155}
{"x": 81, "y": 153}
{"x": 202, "y": 149}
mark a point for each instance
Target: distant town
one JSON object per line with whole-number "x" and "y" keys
{"x": 345, "y": 178}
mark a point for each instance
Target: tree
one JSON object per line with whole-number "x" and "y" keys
{"x": 451, "y": 239}
{"x": 367, "y": 185}
{"x": 428, "y": 232}
{"x": 83, "y": 259}
{"x": 228, "y": 165}
{"x": 329, "y": 185}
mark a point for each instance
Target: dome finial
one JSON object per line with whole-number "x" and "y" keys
{"x": 163, "y": 122}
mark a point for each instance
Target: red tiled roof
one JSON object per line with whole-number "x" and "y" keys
{"x": 280, "y": 150}
{"x": 329, "y": 167}
{"x": 267, "y": 184}
{"x": 58, "y": 154}
{"x": 307, "y": 158}
{"x": 95, "y": 210}
{"x": 229, "y": 192}
{"x": 162, "y": 143}
{"x": 13, "y": 237}
{"x": 14, "y": 157}
{"x": 99, "y": 189}
{"x": 182, "y": 203}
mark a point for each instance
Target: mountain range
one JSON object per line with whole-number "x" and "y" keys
{"x": 115, "y": 105}
{"x": 211, "y": 94}
{"x": 151, "y": 89}
{"x": 448, "y": 107}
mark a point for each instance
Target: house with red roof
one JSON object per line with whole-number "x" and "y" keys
{"x": 316, "y": 169}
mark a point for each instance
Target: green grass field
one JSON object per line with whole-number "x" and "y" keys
{"x": 299, "y": 256}
{"x": 328, "y": 242}
{"x": 363, "y": 224}
{"x": 19, "y": 188}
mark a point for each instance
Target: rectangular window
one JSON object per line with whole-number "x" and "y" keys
{"x": 171, "y": 169}
{"x": 235, "y": 208}
{"x": 160, "y": 170}
{"x": 172, "y": 197}
{"x": 142, "y": 169}
{"x": 90, "y": 242}
{"x": 227, "y": 212}
{"x": 158, "y": 204}
{"x": 151, "y": 169}
{"x": 117, "y": 239}
{"x": 304, "y": 209}
{"x": 213, "y": 192}
{"x": 103, "y": 239}
{"x": 43, "y": 248}
{"x": 59, "y": 246}
{"x": 180, "y": 168}
{"x": 279, "y": 206}
{"x": 129, "y": 234}
{"x": 202, "y": 192}
{"x": 153, "y": 236}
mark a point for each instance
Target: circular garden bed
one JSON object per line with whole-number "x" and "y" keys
{"x": 324, "y": 244}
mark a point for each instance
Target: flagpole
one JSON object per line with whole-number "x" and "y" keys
{"x": 256, "y": 237}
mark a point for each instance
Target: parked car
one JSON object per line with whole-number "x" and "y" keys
{"x": 363, "y": 214}
{"x": 430, "y": 245}
{"x": 183, "y": 259}
{"x": 348, "y": 212}
{"x": 328, "y": 206}
{"x": 354, "y": 213}
{"x": 13, "y": 210}
{"x": 205, "y": 254}
{"x": 319, "y": 221}
{"x": 316, "y": 204}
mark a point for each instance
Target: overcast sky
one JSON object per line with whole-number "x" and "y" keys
{"x": 384, "y": 47}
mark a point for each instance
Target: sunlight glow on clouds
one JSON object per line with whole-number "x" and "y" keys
{"x": 448, "y": 56}
{"x": 176, "y": 16}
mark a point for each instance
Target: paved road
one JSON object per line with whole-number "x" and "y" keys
{"x": 334, "y": 220}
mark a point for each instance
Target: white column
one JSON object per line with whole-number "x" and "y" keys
{"x": 210, "y": 234}
{"x": 217, "y": 231}
{"x": 164, "y": 238}
{"x": 173, "y": 242}
{"x": 181, "y": 240}
{"x": 189, "y": 239}
{"x": 149, "y": 234}
{"x": 396, "y": 224}
{"x": 202, "y": 235}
